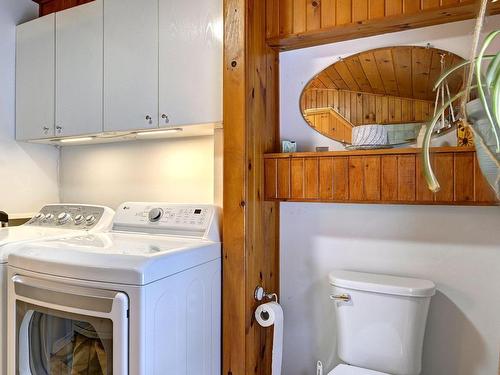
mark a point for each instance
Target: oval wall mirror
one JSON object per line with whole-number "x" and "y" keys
{"x": 381, "y": 97}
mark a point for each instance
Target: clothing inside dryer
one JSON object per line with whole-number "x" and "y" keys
{"x": 60, "y": 345}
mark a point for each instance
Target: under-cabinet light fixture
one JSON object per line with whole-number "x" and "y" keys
{"x": 158, "y": 132}
{"x": 72, "y": 140}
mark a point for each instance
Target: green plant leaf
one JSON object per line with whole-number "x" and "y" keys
{"x": 430, "y": 177}
{"x": 495, "y": 97}
{"x": 480, "y": 89}
{"x": 493, "y": 70}
{"x": 453, "y": 69}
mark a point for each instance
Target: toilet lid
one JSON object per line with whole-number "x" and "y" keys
{"x": 352, "y": 370}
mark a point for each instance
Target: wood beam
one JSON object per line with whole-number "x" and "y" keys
{"x": 377, "y": 26}
{"x": 250, "y": 225}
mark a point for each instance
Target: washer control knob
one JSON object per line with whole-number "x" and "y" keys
{"x": 89, "y": 220}
{"x": 39, "y": 216}
{"x": 49, "y": 217}
{"x": 79, "y": 219}
{"x": 155, "y": 215}
{"x": 63, "y": 218}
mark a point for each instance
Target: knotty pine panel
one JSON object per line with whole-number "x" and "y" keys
{"x": 283, "y": 178}
{"x": 365, "y": 108}
{"x": 340, "y": 178}
{"x": 463, "y": 174}
{"x": 379, "y": 176}
{"x": 311, "y": 178}
{"x": 389, "y": 176}
{"x": 297, "y": 179}
{"x": 407, "y": 178}
{"x": 326, "y": 169}
{"x": 271, "y": 173}
{"x": 356, "y": 176}
{"x": 305, "y": 23}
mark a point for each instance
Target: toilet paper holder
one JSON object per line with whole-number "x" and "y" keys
{"x": 260, "y": 294}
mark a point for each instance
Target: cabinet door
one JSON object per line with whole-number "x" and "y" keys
{"x": 190, "y": 62}
{"x": 79, "y": 70}
{"x": 130, "y": 64}
{"x": 35, "y": 79}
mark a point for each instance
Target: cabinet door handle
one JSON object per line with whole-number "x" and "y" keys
{"x": 165, "y": 117}
{"x": 149, "y": 119}
{"x": 59, "y": 128}
{"x": 46, "y": 129}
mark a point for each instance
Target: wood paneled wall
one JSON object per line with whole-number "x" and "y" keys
{"x": 52, "y": 6}
{"x": 310, "y": 22}
{"x": 250, "y": 232}
{"x": 379, "y": 176}
{"x": 363, "y": 108}
{"x": 328, "y": 122}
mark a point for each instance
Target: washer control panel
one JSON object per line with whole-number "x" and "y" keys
{"x": 68, "y": 216}
{"x": 174, "y": 219}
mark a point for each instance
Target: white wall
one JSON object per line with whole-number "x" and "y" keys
{"x": 174, "y": 170}
{"x": 456, "y": 247}
{"x": 28, "y": 173}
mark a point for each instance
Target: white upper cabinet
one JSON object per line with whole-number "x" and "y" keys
{"x": 79, "y": 70}
{"x": 130, "y": 64}
{"x": 120, "y": 66}
{"x": 190, "y": 62}
{"x": 35, "y": 79}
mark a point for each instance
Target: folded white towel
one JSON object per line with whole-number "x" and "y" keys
{"x": 372, "y": 135}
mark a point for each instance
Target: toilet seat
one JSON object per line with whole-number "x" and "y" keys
{"x": 352, "y": 370}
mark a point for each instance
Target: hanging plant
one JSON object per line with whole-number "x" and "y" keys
{"x": 481, "y": 115}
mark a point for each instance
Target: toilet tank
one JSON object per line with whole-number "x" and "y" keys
{"x": 380, "y": 320}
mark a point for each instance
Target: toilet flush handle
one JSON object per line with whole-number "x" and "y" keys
{"x": 341, "y": 297}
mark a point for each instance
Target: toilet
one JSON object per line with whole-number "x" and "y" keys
{"x": 380, "y": 322}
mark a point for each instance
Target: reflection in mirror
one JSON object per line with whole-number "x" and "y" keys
{"x": 382, "y": 97}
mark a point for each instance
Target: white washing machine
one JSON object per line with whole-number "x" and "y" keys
{"x": 142, "y": 299}
{"x": 53, "y": 221}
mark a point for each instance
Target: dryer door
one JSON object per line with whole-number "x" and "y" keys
{"x": 63, "y": 329}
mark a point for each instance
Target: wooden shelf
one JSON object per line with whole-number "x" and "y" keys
{"x": 389, "y": 176}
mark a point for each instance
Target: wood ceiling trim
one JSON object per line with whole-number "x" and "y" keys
{"x": 404, "y": 71}
{"x": 354, "y": 66}
{"x": 421, "y": 65}
{"x": 385, "y": 66}
{"x": 403, "y": 68}
{"x": 369, "y": 65}
{"x": 346, "y": 75}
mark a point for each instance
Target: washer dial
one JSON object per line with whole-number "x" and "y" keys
{"x": 63, "y": 218}
{"x": 155, "y": 214}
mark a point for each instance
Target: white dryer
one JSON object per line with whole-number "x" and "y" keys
{"x": 142, "y": 299}
{"x": 53, "y": 221}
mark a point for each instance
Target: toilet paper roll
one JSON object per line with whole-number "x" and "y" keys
{"x": 267, "y": 315}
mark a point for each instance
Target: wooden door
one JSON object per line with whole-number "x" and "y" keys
{"x": 130, "y": 64}
{"x": 190, "y": 62}
{"x": 79, "y": 70}
{"x": 35, "y": 79}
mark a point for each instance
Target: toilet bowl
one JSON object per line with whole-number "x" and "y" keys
{"x": 380, "y": 322}
{"x": 352, "y": 370}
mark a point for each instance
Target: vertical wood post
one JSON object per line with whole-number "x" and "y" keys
{"x": 250, "y": 232}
